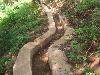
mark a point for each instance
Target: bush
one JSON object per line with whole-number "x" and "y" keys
{"x": 84, "y": 16}
{"x": 87, "y": 71}
{"x": 86, "y": 20}
{"x": 75, "y": 57}
{"x": 19, "y": 20}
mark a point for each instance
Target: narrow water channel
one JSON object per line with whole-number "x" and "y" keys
{"x": 40, "y": 65}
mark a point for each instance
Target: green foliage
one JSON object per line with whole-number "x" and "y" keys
{"x": 75, "y": 57}
{"x": 14, "y": 27}
{"x": 89, "y": 30}
{"x": 6, "y": 64}
{"x": 1, "y": 1}
{"x": 18, "y": 20}
{"x": 89, "y": 72}
{"x": 84, "y": 16}
{"x": 86, "y": 4}
{"x": 74, "y": 44}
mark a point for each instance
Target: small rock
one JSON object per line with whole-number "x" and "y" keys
{"x": 95, "y": 66}
{"x": 79, "y": 71}
{"x": 95, "y": 63}
{"x": 92, "y": 59}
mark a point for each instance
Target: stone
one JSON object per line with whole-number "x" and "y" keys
{"x": 57, "y": 59}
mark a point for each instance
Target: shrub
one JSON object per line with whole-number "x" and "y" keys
{"x": 84, "y": 16}
{"x": 87, "y": 71}
{"x": 20, "y": 19}
{"x": 75, "y": 57}
{"x": 85, "y": 19}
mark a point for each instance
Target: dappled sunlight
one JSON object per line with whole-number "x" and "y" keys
{"x": 2, "y": 15}
{"x": 62, "y": 36}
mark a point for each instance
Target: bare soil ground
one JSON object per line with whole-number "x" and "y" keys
{"x": 40, "y": 63}
{"x": 40, "y": 59}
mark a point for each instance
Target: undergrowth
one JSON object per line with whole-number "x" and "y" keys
{"x": 84, "y": 16}
{"x": 16, "y": 20}
{"x": 87, "y": 71}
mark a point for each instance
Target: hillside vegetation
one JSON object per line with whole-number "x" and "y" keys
{"x": 16, "y": 20}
